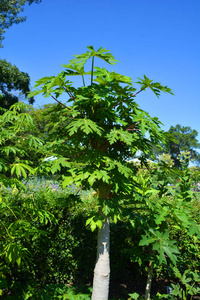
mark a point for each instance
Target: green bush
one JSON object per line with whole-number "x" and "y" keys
{"x": 44, "y": 244}
{"x": 44, "y": 239}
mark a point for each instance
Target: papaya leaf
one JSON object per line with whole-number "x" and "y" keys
{"x": 119, "y": 134}
{"x": 156, "y": 87}
{"x": 86, "y": 125}
{"x": 68, "y": 180}
{"x": 57, "y": 163}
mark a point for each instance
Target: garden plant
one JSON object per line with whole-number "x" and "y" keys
{"x": 91, "y": 138}
{"x": 103, "y": 129}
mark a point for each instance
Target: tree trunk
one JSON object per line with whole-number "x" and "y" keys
{"x": 102, "y": 268}
{"x": 149, "y": 281}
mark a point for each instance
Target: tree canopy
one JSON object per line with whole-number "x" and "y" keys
{"x": 183, "y": 139}
{"x": 179, "y": 140}
{"x": 9, "y": 14}
{"x": 12, "y": 82}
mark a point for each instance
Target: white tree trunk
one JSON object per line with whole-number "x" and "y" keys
{"x": 102, "y": 268}
{"x": 149, "y": 281}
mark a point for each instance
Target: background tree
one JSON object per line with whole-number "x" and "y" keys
{"x": 183, "y": 139}
{"x": 43, "y": 117}
{"x": 12, "y": 82}
{"x": 11, "y": 78}
{"x": 105, "y": 128}
{"x": 9, "y": 14}
{"x": 179, "y": 139}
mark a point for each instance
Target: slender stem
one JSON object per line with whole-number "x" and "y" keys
{"x": 83, "y": 80}
{"x": 92, "y": 70}
{"x": 128, "y": 129}
{"x": 79, "y": 190}
{"x": 5, "y": 228}
{"x": 131, "y": 127}
{"x": 131, "y": 96}
{"x": 60, "y": 102}
{"x": 137, "y": 93}
{"x": 67, "y": 90}
{"x": 10, "y": 210}
{"x": 69, "y": 93}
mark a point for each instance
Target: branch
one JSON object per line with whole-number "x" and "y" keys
{"x": 79, "y": 154}
{"x": 79, "y": 190}
{"x": 69, "y": 93}
{"x": 131, "y": 96}
{"x": 63, "y": 104}
{"x": 60, "y": 102}
{"x": 67, "y": 90}
{"x": 131, "y": 127}
{"x": 136, "y": 93}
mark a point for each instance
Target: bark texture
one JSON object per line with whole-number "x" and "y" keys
{"x": 102, "y": 267}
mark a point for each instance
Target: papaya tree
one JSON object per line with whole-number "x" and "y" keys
{"x": 98, "y": 129}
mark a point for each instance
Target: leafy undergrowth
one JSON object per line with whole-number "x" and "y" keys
{"x": 49, "y": 250}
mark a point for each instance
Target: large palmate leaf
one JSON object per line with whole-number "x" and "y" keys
{"x": 57, "y": 163}
{"x": 101, "y": 53}
{"x": 13, "y": 253}
{"x": 194, "y": 229}
{"x": 34, "y": 141}
{"x": 85, "y": 125}
{"x": 9, "y": 149}
{"x": 104, "y": 76}
{"x": 156, "y": 87}
{"x": 76, "y": 65}
{"x": 20, "y": 169}
{"x": 52, "y": 84}
{"x": 161, "y": 243}
{"x": 119, "y": 134}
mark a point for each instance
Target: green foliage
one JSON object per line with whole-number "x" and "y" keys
{"x": 181, "y": 139}
{"x": 186, "y": 288}
{"x": 51, "y": 248}
{"x": 85, "y": 125}
{"x": 43, "y": 227}
{"x": 15, "y": 143}
{"x": 9, "y": 14}
{"x": 188, "y": 281}
{"x": 61, "y": 291}
{"x": 43, "y": 118}
{"x": 41, "y": 238}
{"x": 195, "y": 174}
{"x": 168, "y": 220}
{"x": 102, "y": 129}
{"x": 12, "y": 80}
{"x": 161, "y": 244}
{"x": 105, "y": 127}
{"x": 134, "y": 296}
{"x": 156, "y": 87}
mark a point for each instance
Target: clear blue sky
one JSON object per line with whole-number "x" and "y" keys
{"x": 158, "y": 38}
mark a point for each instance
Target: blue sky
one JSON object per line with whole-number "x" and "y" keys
{"x": 158, "y": 38}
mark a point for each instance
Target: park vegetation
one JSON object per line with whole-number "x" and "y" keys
{"x": 69, "y": 173}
